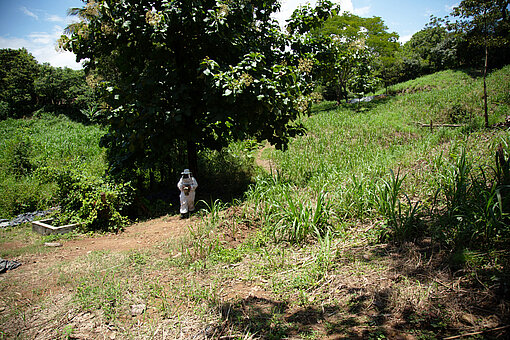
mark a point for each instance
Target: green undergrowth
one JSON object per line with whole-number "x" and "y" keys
{"x": 29, "y": 147}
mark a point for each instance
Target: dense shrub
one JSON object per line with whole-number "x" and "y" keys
{"x": 18, "y": 157}
{"x": 4, "y": 110}
{"x": 29, "y": 146}
{"x": 473, "y": 202}
{"x": 227, "y": 173}
{"x": 95, "y": 203}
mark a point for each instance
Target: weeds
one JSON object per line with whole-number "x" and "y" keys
{"x": 357, "y": 199}
{"x": 28, "y": 145}
{"x": 19, "y": 150}
{"x": 213, "y": 210}
{"x": 297, "y": 219}
{"x": 200, "y": 243}
{"x": 102, "y": 292}
{"x": 288, "y": 215}
{"x": 159, "y": 292}
{"x": 401, "y": 218}
{"x": 473, "y": 202}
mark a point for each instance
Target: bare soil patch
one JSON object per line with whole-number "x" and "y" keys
{"x": 264, "y": 163}
{"x": 138, "y": 236}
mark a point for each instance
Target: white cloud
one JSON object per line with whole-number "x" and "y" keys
{"x": 288, "y": 6}
{"x": 29, "y": 13}
{"x": 41, "y": 38}
{"x": 13, "y": 43}
{"x": 55, "y": 18}
{"x": 362, "y": 11}
{"x": 49, "y": 54}
{"x": 405, "y": 38}
{"x": 346, "y": 6}
{"x": 42, "y": 45}
{"x": 449, "y": 8}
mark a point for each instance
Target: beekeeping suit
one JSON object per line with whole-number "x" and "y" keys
{"x": 187, "y": 185}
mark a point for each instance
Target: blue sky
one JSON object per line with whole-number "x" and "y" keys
{"x": 37, "y": 24}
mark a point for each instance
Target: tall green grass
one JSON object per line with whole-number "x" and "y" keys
{"x": 29, "y": 147}
{"x": 287, "y": 213}
{"x": 380, "y": 163}
{"x": 456, "y": 97}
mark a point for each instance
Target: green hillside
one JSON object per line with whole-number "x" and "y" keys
{"x": 352, "y": 151}
{"x": 373, "y": 225}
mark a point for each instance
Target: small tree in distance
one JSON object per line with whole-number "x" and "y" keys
{"x": 340, "y": 45}
{"x": 485, "y": 23}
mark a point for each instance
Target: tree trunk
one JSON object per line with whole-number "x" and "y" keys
{"x": 486, "y": 113}
{"x": 192, "y": 157}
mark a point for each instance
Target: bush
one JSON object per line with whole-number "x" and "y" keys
{"x": 227, "y": 173}
{"x": 29, "y": 147}
{"x": 4, "y": 110}
{"x": 18, "y": 157}
{"x": 473, "y": 202}
{"x": 95, "y": 203}
{"x": 24, "y": 195}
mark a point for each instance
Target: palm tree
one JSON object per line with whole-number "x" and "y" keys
{"x": 85, "y": 14}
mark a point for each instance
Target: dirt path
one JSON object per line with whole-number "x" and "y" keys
{"x": 138, "y": 236}
{"x": 264, "y": 163}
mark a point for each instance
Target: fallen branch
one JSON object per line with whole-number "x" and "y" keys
{"x": 431, "y": 125}
{"x": 476, "y": 333}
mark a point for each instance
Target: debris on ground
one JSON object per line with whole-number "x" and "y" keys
{"x": 366, "y": 99}
{"x": 6, "y": 265}
{"x": 137, "y": 309}
{"x": 25, "y": 218}
{"x": 53, "y": 244}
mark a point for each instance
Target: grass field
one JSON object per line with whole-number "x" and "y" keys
{"x": 370, "y": 227}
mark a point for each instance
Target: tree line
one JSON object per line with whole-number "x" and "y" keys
{"x": 27, "y": 87}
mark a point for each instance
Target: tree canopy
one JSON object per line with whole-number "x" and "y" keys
{"x": 26, "y": 86}
{"x": 18, "y": 70}
{"x": 199, "y": 72}
{"x": 344, "y": 47}
{"x": 371, "y": 32}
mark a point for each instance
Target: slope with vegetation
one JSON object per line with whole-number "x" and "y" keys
{"x": 371, "y": 226}
{"x": 381, "y": 220}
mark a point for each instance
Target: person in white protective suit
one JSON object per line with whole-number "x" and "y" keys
{"x": 187, "y": 185}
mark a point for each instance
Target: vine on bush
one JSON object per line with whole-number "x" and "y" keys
{"x": 95, "y": 203}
